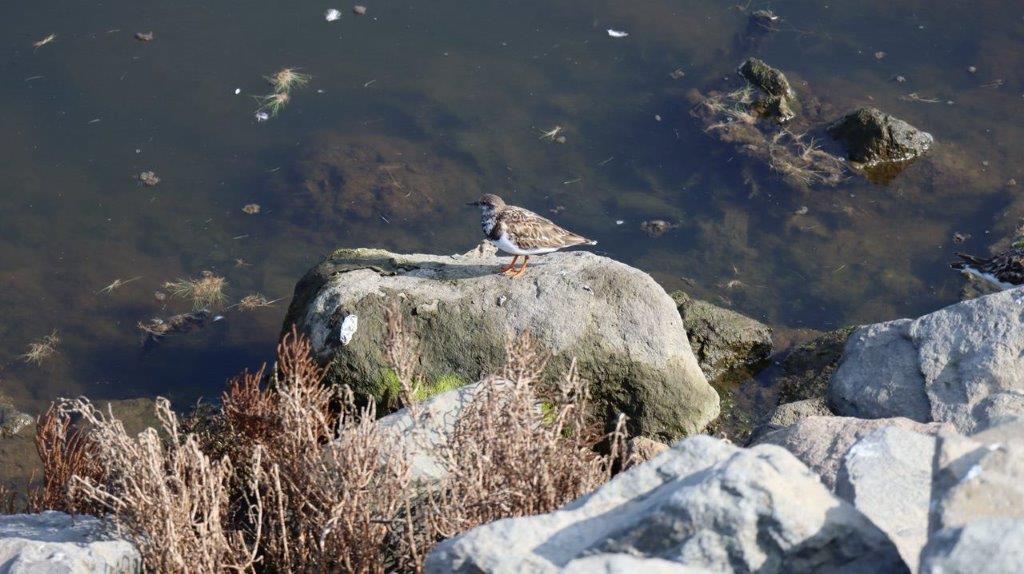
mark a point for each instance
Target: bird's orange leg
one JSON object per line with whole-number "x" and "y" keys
{"x": 522, "y": 269}
{"x": 507, "y": 268}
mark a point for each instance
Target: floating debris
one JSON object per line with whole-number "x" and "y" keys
{"x": 972, "y": 70}
{"x": 899, "y": 79}
{"x": 39, "y": 351}
{"x": 959, "y": 238}
{"x": 551, "y": 134}
{"x": 154, "y": 330}
{"x": 117, "y": 284}
{"x": 348, "y": 328}
{"x": 557, "y": 209}
{"x": 617, "y": 33}
{"x": 144, "y": 36}
{"x": 205, "y": 292}
{"x": 40, "y": 43}
{"x": 880, "y": 55}
{"x": 996, "y": 83}
{"x": 332, "y": 14}
{"x": 359, "y": 9}
{"x": 802, "y": 211}
{"x": 239, "y": 262}
{"x": 262, "y": 116}
{"x": 271, "y": 105}
{"x": 251, "y": 208}
{"x": 561, "y": 139}
{"x": 254, "y": 301}
{"x": 149, "y": 179}
{"x": 159, "y": 295}
{"x": 656, "y": 227}
{"x": 677, "y": 74}
{"x": 288, "y": 78}
{"x": 765, "y": 19}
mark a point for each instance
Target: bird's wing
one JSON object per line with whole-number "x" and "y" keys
{"x": 531, "y": 231}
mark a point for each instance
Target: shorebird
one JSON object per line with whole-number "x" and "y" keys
{"x": 521, "y": 232}
{"x": 1004, "y": 270}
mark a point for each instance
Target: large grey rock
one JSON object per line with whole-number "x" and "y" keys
{"x": 704, "y": 503}
{"x": 54, "y": 542}
{"x": 823, "y": 442}
{"x": 872, "y": 136}
{"x": 963, "y": 364}
{"x": 989, "y": 546}
{"x": 789, "y": 414}
{"x": 887, "y": 475}
{"x": 417, "y": 433}
{"x": 626, "y": 564}
{"x": 619, "y": 325}
{"x": 722, "y": 339}
{"x": 979, "y": 477}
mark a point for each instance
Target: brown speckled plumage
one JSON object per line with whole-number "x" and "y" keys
{"x": 1006, "y": 267}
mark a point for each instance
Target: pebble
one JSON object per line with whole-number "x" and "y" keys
{"x": 879, "y": 55}
{"x": 657, "y": 117}
{"x": 972, "y": 69}
{"x": 251, "y": 208}
{"x": 359, "y": 9}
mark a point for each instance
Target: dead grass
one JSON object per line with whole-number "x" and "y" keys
{"x": 65, "y": 452}
{"x": 287, "y": 78}
{"x": 255, "y": 486}
{"x": 39, "y": 351}
{"x": 205, "y": 291}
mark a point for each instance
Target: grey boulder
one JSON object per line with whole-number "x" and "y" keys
{"x": 54, "y": 542}
{"x": 963, "y": 364}
{"x": 789, "y": 414}
{"x": 872, "y": 136}
{"x": 989, "y": 546}
{"x": 705, "y": 504}
{"x": 823, "y": 442}
{"x": 615, "y": 321}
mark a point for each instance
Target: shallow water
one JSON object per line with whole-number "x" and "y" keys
{"x": 451, "y": 98}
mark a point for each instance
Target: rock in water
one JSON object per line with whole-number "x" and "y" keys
{"x": 702, "y": 504}
{"x": 872, "y": 137}
{"x": 722, "y": 339}
{"x": 56, "y": 542}
{"x": 616, "y": 321}
{"x": 779, "y": 98}
{"x": 963, "y": 364}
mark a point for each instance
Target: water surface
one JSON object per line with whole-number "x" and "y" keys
{"x": 451, "y": 98}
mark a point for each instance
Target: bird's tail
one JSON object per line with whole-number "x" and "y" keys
{"x": 967, "y": 261}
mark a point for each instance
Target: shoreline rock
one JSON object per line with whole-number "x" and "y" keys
{"x": 619, "y": 325}
{"x": 872, "y": 136}
{"x": 57, "y": 542}
{"x": 723, "y": 340}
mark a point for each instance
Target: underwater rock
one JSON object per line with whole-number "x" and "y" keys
{"x": 805, "y": 372}
{"x": 12, "y": 422}
{"x": 779, "y": 98}
{"x": 156, "y": 329}
{"x": 657, "y": 227}
{"x": 617, "y": 324}
{"x": 721, "y": 338}
{"x": 341, "y": 180}
{"x": 872, "y": 136}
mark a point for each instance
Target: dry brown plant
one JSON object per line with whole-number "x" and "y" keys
{"x": 205, "y": 291}
{"x": 39, "y": 351}
{"x": 165, "y": 495}
{"x": 8, "y": 500}
{"x": 512, "y": 454}
{"x": 65, "y": 452}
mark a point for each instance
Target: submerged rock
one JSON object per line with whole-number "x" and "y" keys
{"x": 963, "y": 364}
{"x": 12, "y": 422}
{"x": 702, "y": 504}
{"x": 871, "y": 136}
{"x": 616, "y": 321}
{"x": 56, "y": 542}
{"x": 805, "y": 372}
{"x": 721, "y": 338}
{"x": 779, "y": 98}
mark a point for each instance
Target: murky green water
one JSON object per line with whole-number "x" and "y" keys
{"x": 431, "y": 104}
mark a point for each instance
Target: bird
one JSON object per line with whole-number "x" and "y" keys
{"x": 1004, "y": 270}
{"x": 521, "y": 232}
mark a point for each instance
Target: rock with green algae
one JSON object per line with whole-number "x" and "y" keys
{"x": 722, "y": 339}
{"x": 872, "y": 136}
{"x": 619, "y": 325}
{"x": 805, "y": 372}
{"x": 778, "y": 99}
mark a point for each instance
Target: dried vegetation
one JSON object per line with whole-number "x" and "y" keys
{"x": 290, "y": 475}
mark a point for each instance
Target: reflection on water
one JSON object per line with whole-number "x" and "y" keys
{"x": 412, "y": 109}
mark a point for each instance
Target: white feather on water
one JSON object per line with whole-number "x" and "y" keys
{"x": 617, "y": 33}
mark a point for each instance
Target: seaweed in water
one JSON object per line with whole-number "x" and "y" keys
{"x": 156, "y": 329}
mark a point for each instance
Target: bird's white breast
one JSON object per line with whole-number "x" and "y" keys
{"x": 503, "y": 243}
